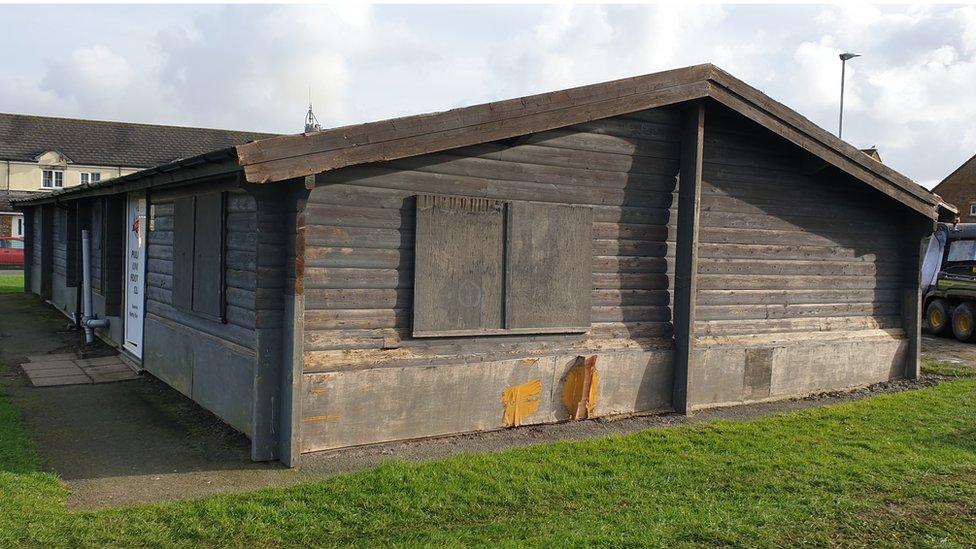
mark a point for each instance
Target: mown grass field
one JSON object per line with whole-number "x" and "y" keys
{"x": 11, "y": 283}
{"x": 890, "y": 470}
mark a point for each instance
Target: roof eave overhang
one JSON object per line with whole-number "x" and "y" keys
{"x": 187, "y": 170}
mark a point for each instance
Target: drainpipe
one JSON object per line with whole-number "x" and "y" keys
{"x": 88, "y": 321}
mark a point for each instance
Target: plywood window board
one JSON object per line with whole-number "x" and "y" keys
{"x": 198, "y": 254}
{"x": 488, "y": 267}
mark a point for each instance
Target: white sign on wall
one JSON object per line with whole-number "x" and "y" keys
{"x": 135, "y": 271}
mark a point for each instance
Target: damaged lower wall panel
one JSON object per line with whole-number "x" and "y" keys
{"x": 734, "y": 374}
{"x": 215, "y": 373}
{"x": 349, "y": 408}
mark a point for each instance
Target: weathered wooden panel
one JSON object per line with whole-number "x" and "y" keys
{"x": 548, "y": 273}
{"x": 184, "y": 216}
{"x": 164, "y": 274}
{"x": 208, "y": 258}
{"x": 460, "y": 266}
{"x": 59, "y": 238}
{"x": 785, "y": 248}
{"x": 361, "y": 221}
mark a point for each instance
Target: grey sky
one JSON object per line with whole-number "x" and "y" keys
{"x": 249, "y": 67}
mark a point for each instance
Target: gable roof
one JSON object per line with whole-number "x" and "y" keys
{"x": 292, "y": 156}
{"x": 100, "y": 143}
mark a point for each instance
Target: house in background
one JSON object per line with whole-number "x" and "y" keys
{"x": 674, "y": 241}
{"x": 40, "y": 154}
{"x": 959, "y": 189}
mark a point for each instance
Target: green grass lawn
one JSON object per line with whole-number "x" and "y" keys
{"x": 10, "y": 283}
{"x": 891, "y": 470}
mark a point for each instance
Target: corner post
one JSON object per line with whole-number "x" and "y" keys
{"x": 911, "y": 295}
{"x": 686, "y": 251}
{"x": 294, "y": 344}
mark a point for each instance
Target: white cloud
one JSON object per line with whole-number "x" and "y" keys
{"x": 249, "y": 67}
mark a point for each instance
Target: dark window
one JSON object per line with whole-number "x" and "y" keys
{"x": 198, "y": 254}
{"x": 493, "y": 267}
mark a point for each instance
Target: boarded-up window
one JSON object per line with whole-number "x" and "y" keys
{"x": 548, "y": 274}
{"x": 493, "y": 267}
{"x": 460, "y": 261}
{"x": 198, "y": 254}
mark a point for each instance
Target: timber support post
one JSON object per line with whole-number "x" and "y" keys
{"x": 911, "y": 294}
{"x": 686, "y": 251}
{"x": 290, "y": 441}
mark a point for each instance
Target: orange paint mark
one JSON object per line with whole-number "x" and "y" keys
{"x": 310, "y": 419}
{"x": 580, "y": 388}
{"x": 520, "y": 401}
{"x": 528, "y": 361}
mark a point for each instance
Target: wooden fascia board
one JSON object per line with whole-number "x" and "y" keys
{"x": 816, "y": 147}
{"x": 723, "y": 80}
{"x": 300, "y": 155}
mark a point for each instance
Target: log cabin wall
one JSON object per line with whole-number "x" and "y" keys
{"x": 210, "y": 360}
{"x": 35, "y": 241}
{"x": 64, "y": 289}
{"x": 358, "y": 280}
{"x": 800, "y": 272}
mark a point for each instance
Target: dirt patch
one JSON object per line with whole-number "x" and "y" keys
{"x": 947, "y": 349}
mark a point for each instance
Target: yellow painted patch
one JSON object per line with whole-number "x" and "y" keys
{"x": 310, "y": 419}
{"x": 580, "y": 388}
{"x": 528, "y": 361}
{"x": 521, "y": 401}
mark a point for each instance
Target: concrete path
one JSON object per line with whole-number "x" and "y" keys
{"x": 52, "y": 370}
{"x": 141, "y": 441}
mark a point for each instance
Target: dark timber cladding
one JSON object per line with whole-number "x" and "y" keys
{"x": 554, "y": 245}
{"x": 669, "y": 241}
{"x": 360, "y": 231}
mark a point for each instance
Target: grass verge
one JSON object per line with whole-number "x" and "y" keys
{"x": 893, "y": 469}
{"x": 11, "y": 283}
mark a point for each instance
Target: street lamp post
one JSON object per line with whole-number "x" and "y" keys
{"x": 843, "y": 65}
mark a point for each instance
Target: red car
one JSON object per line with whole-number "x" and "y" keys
{"x": 11, "y": 251}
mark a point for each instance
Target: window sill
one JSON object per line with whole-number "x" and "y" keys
{"x": 500, "y": 331}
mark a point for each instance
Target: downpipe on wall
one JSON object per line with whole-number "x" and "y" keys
{"x": 88, "y": 320}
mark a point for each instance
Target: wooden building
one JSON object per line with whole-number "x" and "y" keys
{"x": 672, "y": 241}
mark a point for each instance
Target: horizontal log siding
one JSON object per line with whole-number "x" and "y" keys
{"x": 60, "y": 246}
{"x": 782, "y": 250}
{"x": 241, "y": 268}
{"x": 360, "y": 229}
{"x": 37, "y": 238}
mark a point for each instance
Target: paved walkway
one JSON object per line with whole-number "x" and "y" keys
{"x": 141, "y": 441}
{"x": 58, "y": 369}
